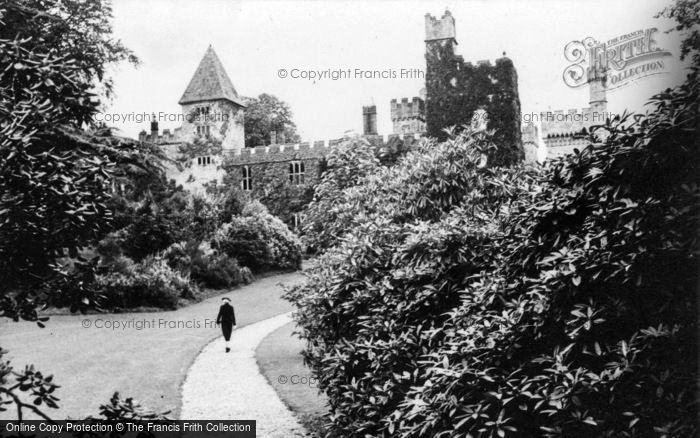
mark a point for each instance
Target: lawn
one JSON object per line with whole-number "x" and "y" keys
{"x": 280, "y": 361}
{"x": 149, "y": 364}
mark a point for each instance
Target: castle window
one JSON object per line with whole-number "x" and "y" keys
{"x": 246, "y": 179}
{"x": 204, "y": 161}
{"x": 203, "y": 130}
{"x": 296, "y": 172}
{"x": 201, "y": 113}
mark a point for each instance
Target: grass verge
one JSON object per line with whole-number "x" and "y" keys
{"x": 92, "y": 360}
{"x": 280, "y": 361}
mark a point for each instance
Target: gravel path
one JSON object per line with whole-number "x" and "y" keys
{"x": 227, "y": 386}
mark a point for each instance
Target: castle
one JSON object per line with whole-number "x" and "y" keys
{"x": 560, "y": 132}
{"x": 209, "y": 147}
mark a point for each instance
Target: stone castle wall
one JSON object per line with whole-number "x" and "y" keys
{"x": 269, "y": 170}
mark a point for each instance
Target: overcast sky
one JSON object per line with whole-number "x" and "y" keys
{"x": 254, "y": 40}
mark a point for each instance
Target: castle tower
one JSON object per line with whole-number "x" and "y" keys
{"x": 456, "y": 91}
{"x": 440, "y": 30}
{"x": 597, "y": 79}
{"x": 154, "y": 130}
{"x": 408, "y": 117}
{"x": 211, "y": 106}
{"x": 369, "y": 120}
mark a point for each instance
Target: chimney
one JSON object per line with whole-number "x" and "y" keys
{"x": 154, "y": 129}
{"x": 369, "y": 120}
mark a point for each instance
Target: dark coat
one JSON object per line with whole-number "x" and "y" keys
{"x": 226, "y": 315}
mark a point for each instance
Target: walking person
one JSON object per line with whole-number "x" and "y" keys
{"x": 227, "y": 319}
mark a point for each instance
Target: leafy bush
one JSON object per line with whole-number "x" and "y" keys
{"x": 150, "y": 283}
{"x": 150, "y": 225}
{"x": 179, "y": 255}
{"x": 424, "y": 183}
{"x": 220, "y": 271}
{"x": 369, "y": 305}
{"x": 232, "y": 204}
{"x": 204, "y": 265}
{"x": 120, "y": 410}
{"x": 468, "y": 300}
{"x": 328, "y": 215}
{"x": 259, "y": 240}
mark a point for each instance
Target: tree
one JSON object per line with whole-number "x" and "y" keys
{"x": 56, "y": 165}
{"x": 266, "y": 114}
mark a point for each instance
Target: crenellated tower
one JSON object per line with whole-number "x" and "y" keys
{"x": 457, "y": 92}
{"x": 440, "y": 31}
{"x": 408, "y": 117}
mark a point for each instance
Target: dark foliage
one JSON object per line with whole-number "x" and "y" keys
{"x": 55, "y": 178}
{"x": 470, "y": 300}
{"x": 57, "y": 169}
{"x": 456, "y": 90}
{"x": 259, "y": 241}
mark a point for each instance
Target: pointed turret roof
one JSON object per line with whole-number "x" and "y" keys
{"x": 210, "y": 82}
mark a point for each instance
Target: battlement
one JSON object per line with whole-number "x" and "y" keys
{"x": 442, "y": 29}
{"x": 304, "y": 150}
{"x": 570, "y": 122}
{"x": 166, "y": 138}
{"x": 482, "y": 63}
{"x": 405, "y": 109}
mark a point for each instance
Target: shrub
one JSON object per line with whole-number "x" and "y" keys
{"x": 150, "y": 283}
{"x": 150, "y": 231}
{"x": 371, "y": 303}
{"x": 328, "y": 215}
{"x": 515, "y": 302}
{"x": 154, "y": 225}
{"x": 232, "y": 204}
{"x": 205, "y": 265}
{"x": 259, "y": 241}
{"x": 179, "y": 256}
{"x": 110, "y": 248}
{"x": 220, "y": 271}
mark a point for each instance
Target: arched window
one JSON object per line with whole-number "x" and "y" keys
{"x": 246, "y": 179}
{"x": 296, "y": 172}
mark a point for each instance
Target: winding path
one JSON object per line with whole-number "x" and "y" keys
{"x": 230, "y": 386}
